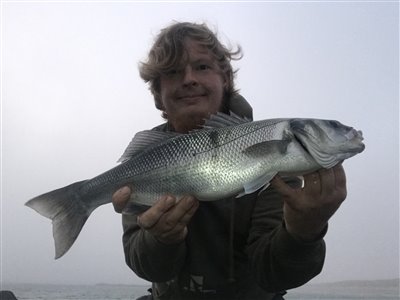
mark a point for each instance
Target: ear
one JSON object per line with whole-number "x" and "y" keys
{"x": 159, "y": 103}
{"x": 226, "y": 80}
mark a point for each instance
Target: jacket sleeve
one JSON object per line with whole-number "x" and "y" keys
{"x": 147, "y": 257}
{"x": 277, "y": 260}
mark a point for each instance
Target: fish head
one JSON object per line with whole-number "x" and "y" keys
{"x": 327, "y": 141}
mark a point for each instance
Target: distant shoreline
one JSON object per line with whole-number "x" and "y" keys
{"x": 391, "y": 282}
{"x": 355, "y": 281}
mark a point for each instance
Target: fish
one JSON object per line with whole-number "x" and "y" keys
{"x": 229, "y": 156}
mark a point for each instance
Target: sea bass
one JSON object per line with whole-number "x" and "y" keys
{"x": 229, "y": 157}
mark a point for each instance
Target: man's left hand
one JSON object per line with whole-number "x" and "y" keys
{"x": 308, "y": 209}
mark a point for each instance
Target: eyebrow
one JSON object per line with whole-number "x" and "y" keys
{"x": 200, "y": 60}
{"x": 204, "y": 58}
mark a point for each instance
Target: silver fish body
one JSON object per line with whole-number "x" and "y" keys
{"x": 229, "y": 157}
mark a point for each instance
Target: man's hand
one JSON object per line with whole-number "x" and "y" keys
{"x": 308, "y": 209}
{"x": 166, "y": 220}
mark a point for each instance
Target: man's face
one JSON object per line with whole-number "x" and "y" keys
{"x": 194, "y": 90}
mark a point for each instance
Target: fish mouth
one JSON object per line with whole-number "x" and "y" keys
{"x": 356, "y": 136}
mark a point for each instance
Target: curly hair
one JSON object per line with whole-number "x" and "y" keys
{"x": 169, "y": 48}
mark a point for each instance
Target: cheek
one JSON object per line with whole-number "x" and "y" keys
{"x": 224, "y": 81}
{"x": 220, "y": 88}
{"x": 224, "y": 86}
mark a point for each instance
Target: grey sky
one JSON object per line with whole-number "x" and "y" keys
{"x": 72, "y": 99}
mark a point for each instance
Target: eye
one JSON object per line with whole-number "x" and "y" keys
{"x": 171, "y": 72}
{"x": 203, "y": 67}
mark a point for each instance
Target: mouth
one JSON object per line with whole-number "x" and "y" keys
{"x": 190, "y": 97}
{"x": 357, "y": 137}
{"x": 354, "y": 134}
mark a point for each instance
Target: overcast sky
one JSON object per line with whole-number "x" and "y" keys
{"x": 72, "y": 99}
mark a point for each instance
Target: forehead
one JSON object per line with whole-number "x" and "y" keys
{"x": 191, "y": 45}
{"x": 194, "y": 50}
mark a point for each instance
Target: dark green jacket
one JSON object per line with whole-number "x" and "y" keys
{"x": 235, "y": 249}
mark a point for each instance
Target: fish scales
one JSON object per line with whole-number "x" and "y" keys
{"x": 209, "y": 161}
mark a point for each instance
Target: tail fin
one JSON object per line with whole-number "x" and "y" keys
{"x": 67, "y": 211}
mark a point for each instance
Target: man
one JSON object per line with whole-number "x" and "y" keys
{"x": 253, "y": 247}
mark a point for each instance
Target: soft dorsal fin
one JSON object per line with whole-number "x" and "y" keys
{"x": 220, "y": 120}
{"x": 143, "y": 140}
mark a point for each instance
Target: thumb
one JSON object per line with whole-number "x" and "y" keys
{"x": 288, "y": 193}
{"x": 120, "y": 198}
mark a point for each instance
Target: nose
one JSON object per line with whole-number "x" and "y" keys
{"x": 189, "y": 77}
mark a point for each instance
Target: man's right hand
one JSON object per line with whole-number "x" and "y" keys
{"x": 166, "y": 220}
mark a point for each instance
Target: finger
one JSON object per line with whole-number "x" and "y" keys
{"x": 181, "y": 214}
{"x": 151, "y": 216}
{"x": 312, "y": 184}
{"x": 328, "y": 184}
{"x": 282, "y": 188}
{"x": 189, "y": 213}
{"x": 340, "y": 180}
{"x": 340, "y": 175}
{"x": 170, "y": 230}
{"x": 290, "y": 196}
{"x": 120, "y": 198}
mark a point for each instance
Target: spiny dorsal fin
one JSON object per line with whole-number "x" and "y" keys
{"x": 220, "y": 120}
{"x": 145, "y": 139}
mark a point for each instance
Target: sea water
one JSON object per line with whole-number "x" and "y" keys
{"x": 76, "y": 292}
{"x": 348, "y": 290}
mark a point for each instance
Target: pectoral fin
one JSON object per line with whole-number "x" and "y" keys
{"x": 263, "y": 149}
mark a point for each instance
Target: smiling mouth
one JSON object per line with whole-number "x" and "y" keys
{"x": 190, "y": 98}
